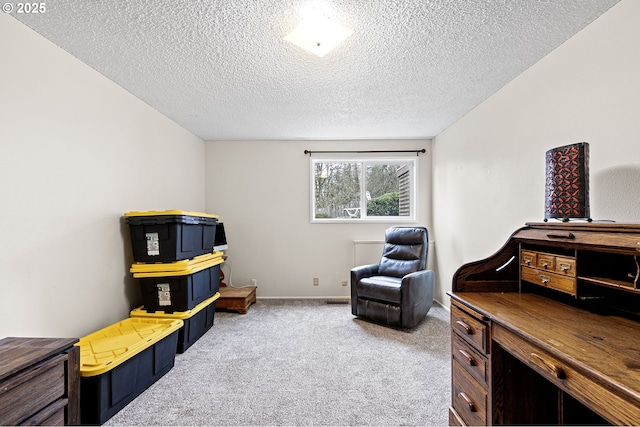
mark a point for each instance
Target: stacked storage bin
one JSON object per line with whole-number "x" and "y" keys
{"x": 177, "y": 269}
{"x": 168, "y": 236}
{"x": 196, "y": 321}
{"x": 179, "y": 279}
{"x": 180, "y": 285}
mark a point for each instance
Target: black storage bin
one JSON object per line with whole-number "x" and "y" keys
{"x": 167, "y": 236}
{"x": 196, "y": 322}
{"x": 170, "y": 293}
{"x": 108, "y": 384}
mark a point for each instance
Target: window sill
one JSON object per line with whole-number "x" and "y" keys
{"x": 364, "y": 221}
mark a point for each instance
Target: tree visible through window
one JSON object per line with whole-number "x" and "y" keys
{"x": 363, "y": 189}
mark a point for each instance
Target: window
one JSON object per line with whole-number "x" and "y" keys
{"x": 363, "y": 189}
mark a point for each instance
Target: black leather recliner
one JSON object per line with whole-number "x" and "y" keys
{"x": 398, "y": 291}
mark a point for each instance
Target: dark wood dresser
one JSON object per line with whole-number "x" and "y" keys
{"x": 39, "y": 381}
{"x": 547, "y": 330}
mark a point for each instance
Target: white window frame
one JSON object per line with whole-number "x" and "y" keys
{"x": 364, "y": 161}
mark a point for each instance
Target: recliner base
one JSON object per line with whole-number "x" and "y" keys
{"x": 379, "y": 312}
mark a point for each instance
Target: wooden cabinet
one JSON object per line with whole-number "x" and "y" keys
{"x": 545, "y": 330}
{"x": 236, "y": 299}
{"x": 554, "y": 271}
{"x": 469, "y": 351}
{"x": 39, "y": 381}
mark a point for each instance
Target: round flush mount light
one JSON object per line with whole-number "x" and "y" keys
{"x": 318, "y": 34}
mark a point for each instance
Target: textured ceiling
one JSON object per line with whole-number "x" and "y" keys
{"x": 221, "y": 69}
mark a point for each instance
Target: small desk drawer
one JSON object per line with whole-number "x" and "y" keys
{"x": 471, "y": 329}
{"x": 471, "y": 360}
{"x": 566, "y": 266}
{"x": 529, "y": 258}
{"x": 546, "y": 262}
{"x": 549, "y": 280}
{"x": 469, "y": 399}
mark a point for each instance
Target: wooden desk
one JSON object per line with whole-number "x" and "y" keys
{"x": 558, "y": 345}
{"x": 236, "y": 299}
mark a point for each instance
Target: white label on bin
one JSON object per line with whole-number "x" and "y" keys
{"x": 164, "y": 294}
{"x": 153, "y": 244}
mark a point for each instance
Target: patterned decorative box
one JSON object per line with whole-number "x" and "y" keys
{"x": 567, "y": 182}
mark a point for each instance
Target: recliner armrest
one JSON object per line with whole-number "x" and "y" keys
{"x": 362, "y": 271}
{"x": 417, "y": 296}
{"x": 358, "y": 273}
{"x": 416, "y": 276}
{"x": 413, "y": 284}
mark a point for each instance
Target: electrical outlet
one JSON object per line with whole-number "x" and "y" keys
{"x": 344, "y": 283}
{"x": 316, "y": 281}
{"x": 254, "y": 282}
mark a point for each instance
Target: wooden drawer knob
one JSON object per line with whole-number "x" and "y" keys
{"x": 468, "y": 329}
{"x": 564, "y": 267}
{"x": 468, "y": 401}
{"x": 470, "y": 360}
{"x": 540, "y": 361}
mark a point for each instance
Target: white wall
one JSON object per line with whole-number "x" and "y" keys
{"x": 77, "y": 152}
{"x": 261, "y": 191}
{"x": 489, "y": 167}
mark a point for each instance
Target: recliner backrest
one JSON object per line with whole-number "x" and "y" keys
{"x": 405, "y": 251}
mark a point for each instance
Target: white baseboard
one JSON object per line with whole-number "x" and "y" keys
{"x": 336, "y": 298}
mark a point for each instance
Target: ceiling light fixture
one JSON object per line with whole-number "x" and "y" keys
{"x": 318, "y": 34}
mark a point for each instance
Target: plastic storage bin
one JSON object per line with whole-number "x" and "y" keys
{"x": 119, "y": 362}
{"x": 178, "y": 286}
{"x": 172, "y": 235}
{"x": 196, "y": 321}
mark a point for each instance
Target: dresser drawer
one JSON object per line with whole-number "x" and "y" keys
{"x": 471, "y": 329}
{"x": 52, "y": 415}
{"x": 550, "y": 280}
{"x": 28, "y": 392}
{"x": 470, "y": 359}
{"x": 469, "y": 399}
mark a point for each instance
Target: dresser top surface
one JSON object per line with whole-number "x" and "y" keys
{"x": 19, "y": 353}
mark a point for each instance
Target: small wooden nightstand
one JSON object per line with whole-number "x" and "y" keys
{"x": 236, "y": 299}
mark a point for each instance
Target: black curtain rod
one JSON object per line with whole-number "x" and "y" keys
{"x": 309, "y": 152}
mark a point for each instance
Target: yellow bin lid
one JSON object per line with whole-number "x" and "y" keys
{"x": 178, "y": 268}
{"x": 183, "y": 315}
{"x": 170, "y": 212}
{"x": 107, "y": 348}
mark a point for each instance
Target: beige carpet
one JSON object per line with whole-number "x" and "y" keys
{"x": 303, "y": 362}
